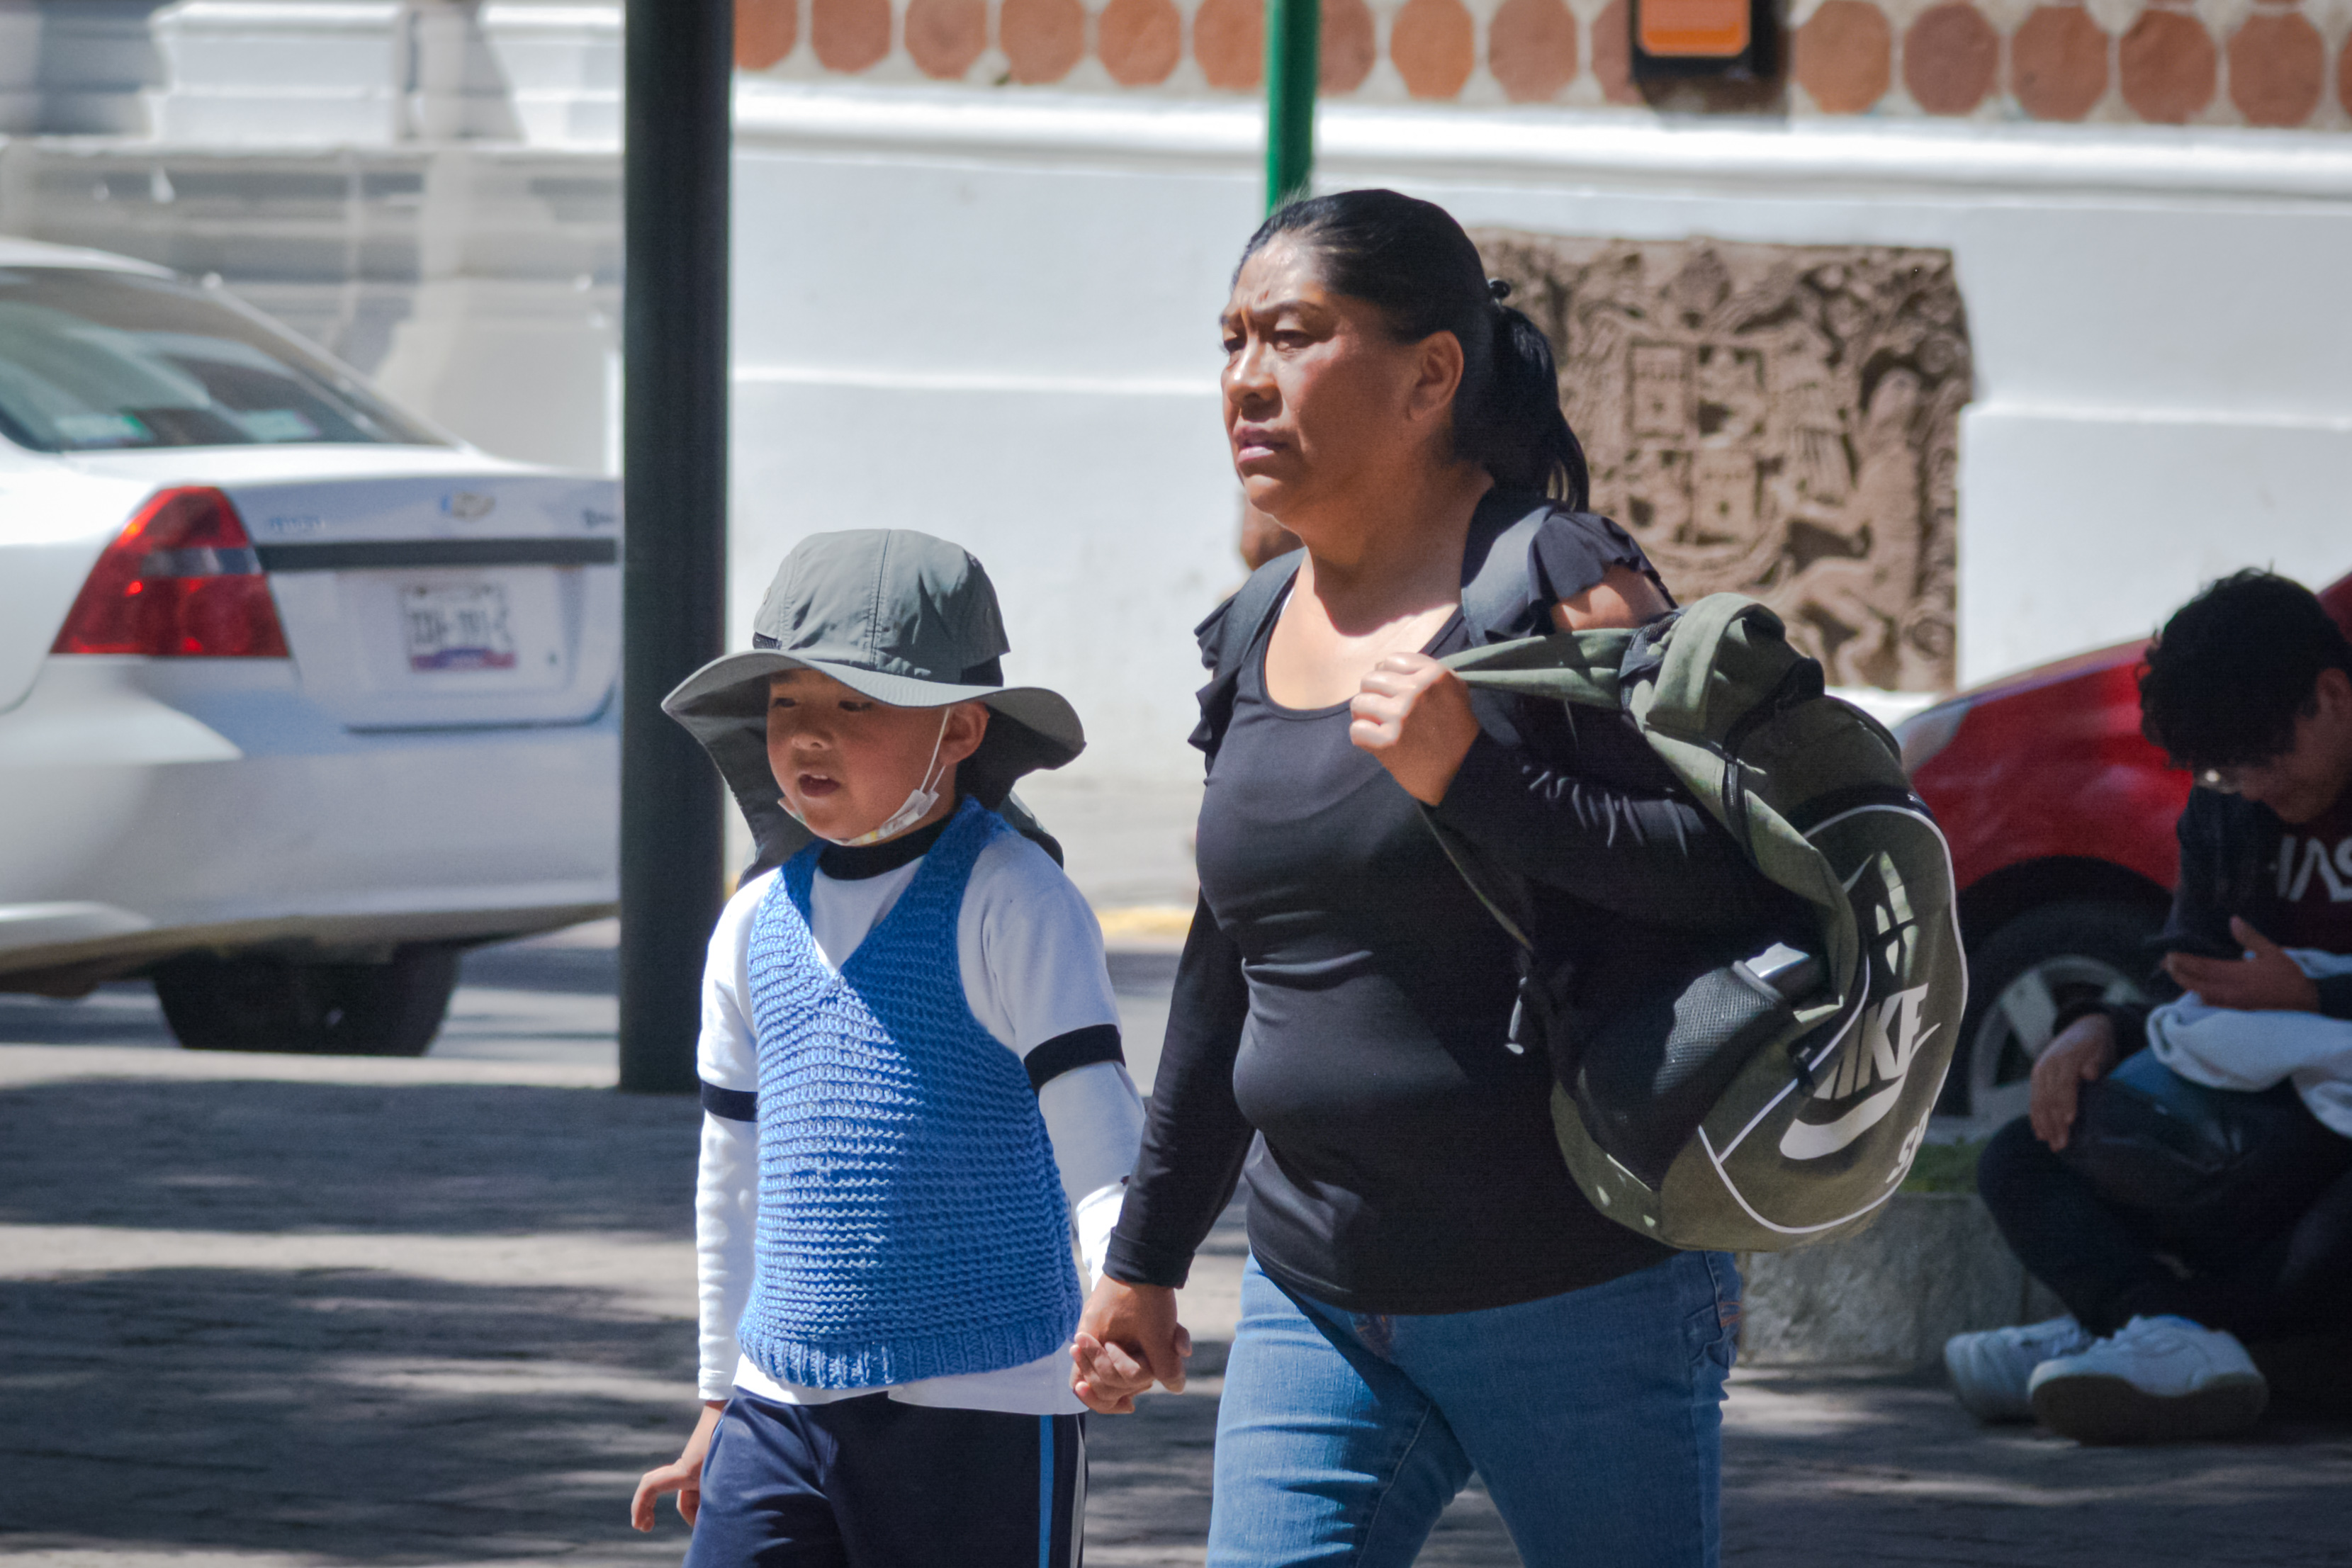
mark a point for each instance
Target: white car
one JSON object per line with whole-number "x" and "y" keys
{"x": 298, "y": 696}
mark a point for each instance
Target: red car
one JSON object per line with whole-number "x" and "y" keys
{"x": 2061, "y": 821}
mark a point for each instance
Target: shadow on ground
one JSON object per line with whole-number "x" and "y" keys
{"x": 1821, "y": 1468}
{"x": 264, "y": 1155}
{"x": 352, "y": 1415}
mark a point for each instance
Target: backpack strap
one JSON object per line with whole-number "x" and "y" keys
{"x": 1507, "y": 594}
{"x": 1225, "y": 636}
{"x": 1503, "y": 591}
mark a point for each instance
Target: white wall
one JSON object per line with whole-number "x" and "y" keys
{"x": 991, "y": 315}
{"x": 1023, "y": 360}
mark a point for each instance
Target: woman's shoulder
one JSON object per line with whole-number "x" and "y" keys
{"x": 1571, "y": 548}
{"x": 1528, "y": 552}
{"x": 1242, "y": 611}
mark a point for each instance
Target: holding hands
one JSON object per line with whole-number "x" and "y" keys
{"x": 1127, "y": 1339}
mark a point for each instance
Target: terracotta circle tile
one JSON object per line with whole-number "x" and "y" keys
{"x": 1139, "y": 41}
{"x": 2344, "y": 77}
{"x": 1531, "y": 48}
{"x": 849, "y": 35}
{"x": 2168, "y": 66}
{"x": 1844, "y": 55}
{"x": 1348, "y": 47}
{"x": 2058, "y": 63}
{"x": 1229, "y": 43}
{"x": 2278, "y": 68}
{"x": 765, "y": 32}
{"x": 1612, "y": 53}
{"x": 944, "y": 36}
{"x": 1434, "y": 44}
{"x": 1042, "y": 40}
{"x": 1950, "y": 57}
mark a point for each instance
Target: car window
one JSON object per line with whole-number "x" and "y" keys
{"x": 93, "y": 360}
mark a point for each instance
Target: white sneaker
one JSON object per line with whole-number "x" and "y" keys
{"x": 1989, "y": 1370}
{"x": 2152, "y": 1380}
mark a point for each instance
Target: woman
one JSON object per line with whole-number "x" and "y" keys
{"x": 1427, "y": 1292}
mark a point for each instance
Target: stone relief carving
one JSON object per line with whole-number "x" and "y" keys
{"x": 1779, "y": 420}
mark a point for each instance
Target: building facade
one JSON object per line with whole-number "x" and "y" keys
{"x": 1968, "y": 333}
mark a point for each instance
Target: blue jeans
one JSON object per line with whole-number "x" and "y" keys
{"x": 1595, "y": 1418}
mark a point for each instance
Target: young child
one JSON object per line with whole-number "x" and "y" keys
{"x": 913, "y": 1090}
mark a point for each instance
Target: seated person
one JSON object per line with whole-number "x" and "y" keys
{"x": 2249, "y": 687}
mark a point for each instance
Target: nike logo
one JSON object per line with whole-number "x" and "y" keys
{"x": 1867, "y": 1080}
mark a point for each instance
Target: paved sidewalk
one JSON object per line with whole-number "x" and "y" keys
{"x": 262, "y": 1311}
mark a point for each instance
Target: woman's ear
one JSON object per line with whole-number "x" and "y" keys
{"x": 966, "y": 728}
{"x": 1437, "y": 365}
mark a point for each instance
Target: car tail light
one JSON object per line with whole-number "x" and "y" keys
{"x": 181, "y": 580}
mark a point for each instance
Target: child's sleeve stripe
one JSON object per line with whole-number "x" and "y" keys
{"x": 736, "y": 1104}
{"x": 1064, "y": 1052}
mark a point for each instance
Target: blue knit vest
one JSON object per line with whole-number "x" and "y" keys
{"x": 911, "y": 1217}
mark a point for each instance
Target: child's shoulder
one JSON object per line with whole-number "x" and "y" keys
{"x": 734, "y": 927}
{"x": 1015, "y": 868}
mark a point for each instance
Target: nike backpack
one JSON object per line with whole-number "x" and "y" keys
{"x": 1768, "y": 1099}
{"x": 1778, "y": 1098}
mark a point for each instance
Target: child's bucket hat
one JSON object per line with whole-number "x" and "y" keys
{"x": 902, "y": 617}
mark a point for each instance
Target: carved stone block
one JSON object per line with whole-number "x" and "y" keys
{"x": 1781, "y": 421}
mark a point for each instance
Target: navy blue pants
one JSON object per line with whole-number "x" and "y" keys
{"x": 871, "y": 1482}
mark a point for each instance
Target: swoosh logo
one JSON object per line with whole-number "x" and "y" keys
{"x": 1812, "y": 1139}
{"x": 1877, "y": 1061}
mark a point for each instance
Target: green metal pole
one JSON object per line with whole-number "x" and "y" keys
{"x": 1291, "y": 48}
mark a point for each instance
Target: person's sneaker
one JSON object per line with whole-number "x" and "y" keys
{"x": 1989, "y": 1370}
{"x": 2154, "y": 1380}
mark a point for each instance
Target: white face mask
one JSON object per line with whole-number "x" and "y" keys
{"x": 918, "y": 804}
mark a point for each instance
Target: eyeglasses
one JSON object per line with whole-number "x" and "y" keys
{"x": 2233, "y": 779}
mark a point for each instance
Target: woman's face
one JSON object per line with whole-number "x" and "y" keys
{"x": 1322, "y": 403}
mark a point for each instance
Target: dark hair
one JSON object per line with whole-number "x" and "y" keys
{"x": 2230, "y": 671}
{"x": 1412, "y": 260}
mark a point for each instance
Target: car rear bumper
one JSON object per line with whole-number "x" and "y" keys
{"x": 154, "y": 807}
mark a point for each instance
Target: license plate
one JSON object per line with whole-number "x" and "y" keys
{"x": 458, "y": 628}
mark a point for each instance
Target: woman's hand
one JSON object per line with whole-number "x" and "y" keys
{"x": 1127, "y": 1339}
{"x": 2264, "y": 981}
{"x": 1414, "y": 714}
{"x": 2084, "y": 1049}
{"x": 682, "y": 1475}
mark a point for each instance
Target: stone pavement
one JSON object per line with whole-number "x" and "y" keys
{"x": 263, "y": 1310}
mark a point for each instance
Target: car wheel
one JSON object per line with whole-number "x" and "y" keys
{"x": 2030, "y": 969}
{"x": 258, "y": 1002}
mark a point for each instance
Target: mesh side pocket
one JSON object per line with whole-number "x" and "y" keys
{"x": 1653, "y": 1070}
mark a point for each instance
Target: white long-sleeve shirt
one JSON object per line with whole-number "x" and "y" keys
{"x": 1032, "y": 961}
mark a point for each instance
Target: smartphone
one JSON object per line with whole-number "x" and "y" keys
{"x": 2201, "y": 949}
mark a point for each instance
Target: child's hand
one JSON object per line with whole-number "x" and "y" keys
{"x": 683, "y": 1475}
{"x": 1127, "y": 1339}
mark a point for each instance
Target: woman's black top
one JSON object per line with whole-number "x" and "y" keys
{"x": 1345, "y": 997}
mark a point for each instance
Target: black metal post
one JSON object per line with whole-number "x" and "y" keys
{"x": 674, "y": 452}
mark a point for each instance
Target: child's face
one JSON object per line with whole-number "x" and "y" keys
{"x": 846, "y": 762}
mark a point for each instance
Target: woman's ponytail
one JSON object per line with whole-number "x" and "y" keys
{"x": 1513, "y": 425}
{"x": 1412, "y": 260}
